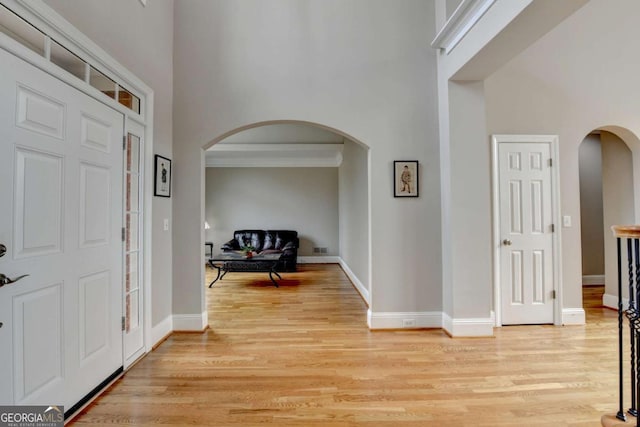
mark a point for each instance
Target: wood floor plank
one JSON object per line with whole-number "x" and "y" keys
{"x": 302, "y": 355}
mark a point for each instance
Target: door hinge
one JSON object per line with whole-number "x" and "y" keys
{"x": 124, "y": 142}
{"x": 124, "y": 321}
{"x": 553, "y": 294}
{"x": 550, "y": 162}
{"x": 123, "y": 234}
{"x": 553, "y": 228}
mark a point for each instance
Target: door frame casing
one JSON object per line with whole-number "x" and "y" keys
{"x": 556, "y": 240}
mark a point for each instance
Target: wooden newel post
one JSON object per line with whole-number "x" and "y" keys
{"x": 632, "y": 234}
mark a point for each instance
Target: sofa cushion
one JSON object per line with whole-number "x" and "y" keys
{"x": 282, "y": 237}
{"x": 252, "y": 238}
{"x": 269, "y": 240}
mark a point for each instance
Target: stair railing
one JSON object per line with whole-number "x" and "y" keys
{"x": 630, "y": 233}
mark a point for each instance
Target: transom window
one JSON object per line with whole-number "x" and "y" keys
{"x": 33, "y": 38}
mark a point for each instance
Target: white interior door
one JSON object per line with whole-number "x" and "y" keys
{"x": 61, "y": 219}
{"x": 525, "y": 230}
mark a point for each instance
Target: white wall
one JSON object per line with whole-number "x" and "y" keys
{"x": 141, "y": 39}
{"x": 285, "y": 134}
{"x": 354, "y": 211}
{"x": 579, "y": 77}
{"x": 470, "y": 195}
{"x": 300, "y": 199}
{"x": 591, "y": 221}
{"x": 618, "y": 200}
{"x": 361, "y": 67}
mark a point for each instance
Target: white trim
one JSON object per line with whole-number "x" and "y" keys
{"x": 611, "y": 301}
{"x": 557, "y": 235}
{"x": 161, "y": 330}
{"x": 573, "y": 316}
{"x": 478, "y": 327}
{"x": 495, "y": 217}
{"x": 147, "y": 174}
{"x": 552, "y": 140}
{"x": 190, "y": 322}
{"x": 395, "y": 320}
{"x": 370, "y": 229}
{"x": 466, "y": 15}
{"x": 318, "y": 260}
{"x": 364, "y": 292}
{"x": 274, "y": 155}
{"x": 593, "y": 279}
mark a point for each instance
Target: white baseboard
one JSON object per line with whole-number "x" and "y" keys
{"x": 161, "y": 330}
{"x": 611, "y": 301}
{"x": 318, "y": 260}
{"x": 573, "y": 316}
{"x": 593, "y": 279}
{"x": 479, "y": 327}
{"x": 391, "y": 320}
{"x": 190, "y": 322}
{"x": 364, "y": 292}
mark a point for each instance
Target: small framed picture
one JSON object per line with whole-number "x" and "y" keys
{"x": 405, "y": 178}
{"x": 162, "y": 181}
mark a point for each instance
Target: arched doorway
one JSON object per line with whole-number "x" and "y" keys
{"x": 292, "y": 172}
{"x": 607, "y": 197}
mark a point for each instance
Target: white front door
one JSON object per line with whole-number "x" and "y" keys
{"x": 60, "y": 219}
{"x": 525, "y": 232}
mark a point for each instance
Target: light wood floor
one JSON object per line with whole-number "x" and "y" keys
{"x": 302, "y": 355}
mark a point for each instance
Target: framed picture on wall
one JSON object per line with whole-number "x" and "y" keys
{"x": 405, "y": 178}
{"x": 162, "y": 180}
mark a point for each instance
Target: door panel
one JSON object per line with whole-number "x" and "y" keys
{"x": 96, "y": 134}
{"x": 38, "y": 208}
{"x": 40, "y": 113}
{"x": 95, "y": 206}
{"x": 94, "y": 314}
{"x": 61, "y": 155}
{"x": 525, "y": 232}
{"x": 38, "y": 377}
{"x": 517, "y": 291}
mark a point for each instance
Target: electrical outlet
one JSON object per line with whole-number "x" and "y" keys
{"x": 408, "y": 323}
{"x": 323, "y": 250}
{"x": 316, "y": 250}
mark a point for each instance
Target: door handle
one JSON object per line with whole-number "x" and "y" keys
{"x": 506, "y": 242}
{"x": 6, "y": 280}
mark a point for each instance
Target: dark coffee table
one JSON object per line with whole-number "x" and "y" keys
{"x": 238, "y": 262}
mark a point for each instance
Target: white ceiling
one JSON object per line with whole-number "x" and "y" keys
{"x": 280, "y": 145}
{"x": 284, "y": 134}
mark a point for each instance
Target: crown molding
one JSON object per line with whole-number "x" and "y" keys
{"x": 274, "y": 155}
{"x": 468, "y": 13}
